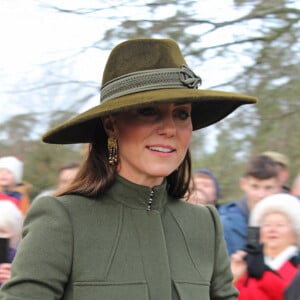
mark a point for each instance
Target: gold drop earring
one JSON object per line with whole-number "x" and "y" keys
{"x": 112, "y": 147}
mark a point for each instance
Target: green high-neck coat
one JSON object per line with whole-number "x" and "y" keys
{"x": 134, "y": 243}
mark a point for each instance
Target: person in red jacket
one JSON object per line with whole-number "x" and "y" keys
{"x": 277, "y": 216}
{"x": 12, "y": 186}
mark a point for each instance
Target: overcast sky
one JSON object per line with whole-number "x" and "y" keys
{"x": 31, "y": 36}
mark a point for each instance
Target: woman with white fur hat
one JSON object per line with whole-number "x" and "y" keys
{"x": 278, "y": 217}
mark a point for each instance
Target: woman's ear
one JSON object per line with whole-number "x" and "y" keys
{"x": 108, "y": 125}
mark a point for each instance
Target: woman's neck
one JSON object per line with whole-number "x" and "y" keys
{"x": 149, "y": 181}
{"x": 273, "y": 252}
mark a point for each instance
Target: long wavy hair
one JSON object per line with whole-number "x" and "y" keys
{"x": 96, "y": 175}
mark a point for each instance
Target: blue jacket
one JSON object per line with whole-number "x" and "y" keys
{"x": 234, "y": 218}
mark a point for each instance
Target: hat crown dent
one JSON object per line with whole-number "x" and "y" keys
{"x": 140, "y": 55}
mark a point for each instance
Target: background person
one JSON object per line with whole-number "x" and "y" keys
{"x": 278, "y": 219}
{"x": 12, "y": 186}
{"x": 66, "y": 176}
{"x": 283, "y": 164}
{"x": 295, "y": 189}
{"x": 206, "y": 182}
{"x": 120, "y": 231}
{"x": 259, "y": 180}
{"x": 11, "y": 220}
{"x": 197, "y": 196}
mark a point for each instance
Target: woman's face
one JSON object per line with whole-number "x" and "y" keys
{"x": 153, "y": 141}
{"x": 277, "y": 232}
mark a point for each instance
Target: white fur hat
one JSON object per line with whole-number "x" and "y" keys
{"x": 282, "y": 203}
{"x": 14, "y": 165}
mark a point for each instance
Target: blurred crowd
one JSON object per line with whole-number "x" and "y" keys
{"x": 261, "y": 229}
{"x": 15, "y": 202}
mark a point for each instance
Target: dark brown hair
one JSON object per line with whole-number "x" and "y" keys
{"x": 96, "y": 175}
{"x": 261, "y": 167}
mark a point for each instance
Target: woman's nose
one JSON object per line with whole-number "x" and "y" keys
{"x": 167, "y": 125}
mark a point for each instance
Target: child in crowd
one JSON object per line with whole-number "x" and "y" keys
{"x": 12, "y": 187}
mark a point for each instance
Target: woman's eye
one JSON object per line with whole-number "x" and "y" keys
{"x": 183, "y": 114}
{"x": 147, "y": 111}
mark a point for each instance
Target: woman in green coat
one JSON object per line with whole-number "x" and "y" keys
{"x": 120, "y": 231}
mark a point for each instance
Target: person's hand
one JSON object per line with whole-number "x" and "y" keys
{"x": 5, "y": 272}
{"x": 238, "y": 264}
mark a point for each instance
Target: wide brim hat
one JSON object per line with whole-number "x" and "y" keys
{"x": 140, "y": 72}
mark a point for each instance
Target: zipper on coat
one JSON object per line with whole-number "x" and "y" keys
{"x": 150, "y": 200}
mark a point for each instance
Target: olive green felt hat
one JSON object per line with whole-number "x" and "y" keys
{"x": 141, "y": 72}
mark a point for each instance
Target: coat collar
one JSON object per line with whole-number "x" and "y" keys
{"x": 138, "y": 196}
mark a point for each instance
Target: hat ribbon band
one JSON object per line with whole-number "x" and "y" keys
{"x": 167, "y": 78}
